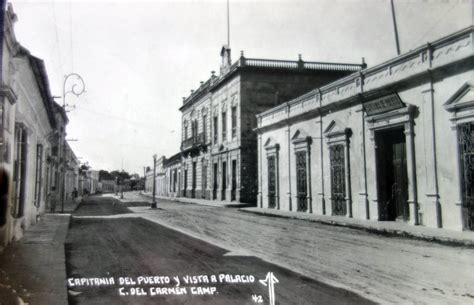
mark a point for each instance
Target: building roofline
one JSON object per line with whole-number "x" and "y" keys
{"x": 42, "y": 80}
{"x": 354, "y": 86}
{"x": 243, "y": 63}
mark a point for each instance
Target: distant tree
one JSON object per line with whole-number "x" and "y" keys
{"x": 123, "y": 175}
{"x": 105, "y": 175}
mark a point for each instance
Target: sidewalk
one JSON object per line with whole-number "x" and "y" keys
{"x": 34, "y": 269}
{"x": 215, "y": 203}
{"x": 388, "y": 228}
{"x": 443, "y": 236}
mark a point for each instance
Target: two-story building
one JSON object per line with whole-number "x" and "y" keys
{"x": 219, "y": 146}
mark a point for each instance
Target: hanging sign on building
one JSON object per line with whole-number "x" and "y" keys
{"x": 383, "y": 104}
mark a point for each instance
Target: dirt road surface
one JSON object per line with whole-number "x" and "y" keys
{"x": 385, "y": 269}
{"x": 123, "y": 246}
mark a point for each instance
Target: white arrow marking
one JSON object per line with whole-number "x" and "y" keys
{"x": 270, "y": 281}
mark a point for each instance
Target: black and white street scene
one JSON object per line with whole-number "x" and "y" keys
{"x": 270, "y": 152}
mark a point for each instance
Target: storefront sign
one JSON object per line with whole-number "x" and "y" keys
{"x": 383, "y": 104}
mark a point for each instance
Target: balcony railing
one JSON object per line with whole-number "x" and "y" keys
{"x": 274, "y": 64}
{"x": 196, "y": 141}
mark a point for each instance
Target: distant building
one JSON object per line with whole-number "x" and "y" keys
{"x": 391, "y": 143}
{"x": 219, "y": 146}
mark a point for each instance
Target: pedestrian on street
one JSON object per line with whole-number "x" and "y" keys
{"x": 52, "y": 200}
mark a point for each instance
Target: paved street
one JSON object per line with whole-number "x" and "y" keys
{"x": 385, "y": 269}
{"x": 121, "y": 245}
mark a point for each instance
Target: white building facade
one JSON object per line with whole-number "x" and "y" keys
{"x": 391, "y": 143}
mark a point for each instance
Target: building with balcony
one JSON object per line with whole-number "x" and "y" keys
{"x": 390, "y": 143}
{"x": 219, "y": 146}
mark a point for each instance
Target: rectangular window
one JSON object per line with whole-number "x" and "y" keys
{"x": 215, "y": 129}
{"x": 204, "y": 128}
{"x": 19, "y": 171}
{"x": 234, "y": 121}
{"x": 301, "y": 181}
{"x": 271, "y": 181}
{"x": 185, "y": 132}
{"x": 194, "y": 129}
{"x": 338, "y": 179}
{"x": 39, "y": 174}
{"x": 224, "y": 126}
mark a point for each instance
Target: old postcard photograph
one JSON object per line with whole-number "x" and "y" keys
{"x": 235, "y": 152}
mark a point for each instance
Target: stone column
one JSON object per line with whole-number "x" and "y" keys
{"x": 411, "y": 167}
{"x": 432, "y": 195}
{"x": 347, "y": 165}
{"x": 308, "y": 178}
{"x": 289, "y": 168}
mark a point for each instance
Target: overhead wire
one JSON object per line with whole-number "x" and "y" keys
{"x": 58, "y": 47}
{"x": 71, "y": 36}
{"x": 436, "y": 23}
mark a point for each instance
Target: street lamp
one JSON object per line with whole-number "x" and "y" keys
{"x": 153, "y": 204}
{"x": 121, "y": 187}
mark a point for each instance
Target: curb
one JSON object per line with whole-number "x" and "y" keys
{"x": 379, "y": 231}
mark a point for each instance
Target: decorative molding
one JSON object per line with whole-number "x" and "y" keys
{"x": 461, "y": 104}
{"x": 337, "y": 133}
{"x": 7, "y": 91}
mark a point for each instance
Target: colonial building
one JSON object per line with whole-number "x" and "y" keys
{"x": 172, "y": 169}
{"x": 32, "y": 131}
{"x": 219, "y": 146}
{"x": 71, "y": 177}
{"x": 389, "y": 143}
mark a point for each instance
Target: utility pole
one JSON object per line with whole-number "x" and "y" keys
{"x": 395, "y": 27}
{"x": 153, "y": 204}
{"x": 228, "y": 25}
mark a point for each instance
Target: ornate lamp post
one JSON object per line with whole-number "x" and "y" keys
{"x": 77, "y": 88}
{"x": 153, "y": 204}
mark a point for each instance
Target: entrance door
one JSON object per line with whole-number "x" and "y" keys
{"x": 185, "y": 183}
{"x": 338, "y": 180}
{"x": 301, "y": 183}
{"x": 392, "y": 180}
{"x": 271, "y": 182}
{"x": 193, "y": 190}
{"x": 214, "y": 186}
{"x": 466, "y": 151}
{"x": 234, "y": 180}
{"x": 224, "y": 179}
{"x": 19, "y": 171}
{"x": 204, "y": 179}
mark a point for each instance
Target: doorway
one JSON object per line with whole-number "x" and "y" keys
{"x": 193, "y": 185}
{"x": 224, "y": 179}
{"x": 214, "y": 185}
{"x": 234, "y": 180}
{"x": 392, "y": 179}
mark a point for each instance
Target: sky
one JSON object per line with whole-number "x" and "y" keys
{"x": 139, "y": 58}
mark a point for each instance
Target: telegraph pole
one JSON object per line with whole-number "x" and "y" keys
{"x": 397, "y": 43}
